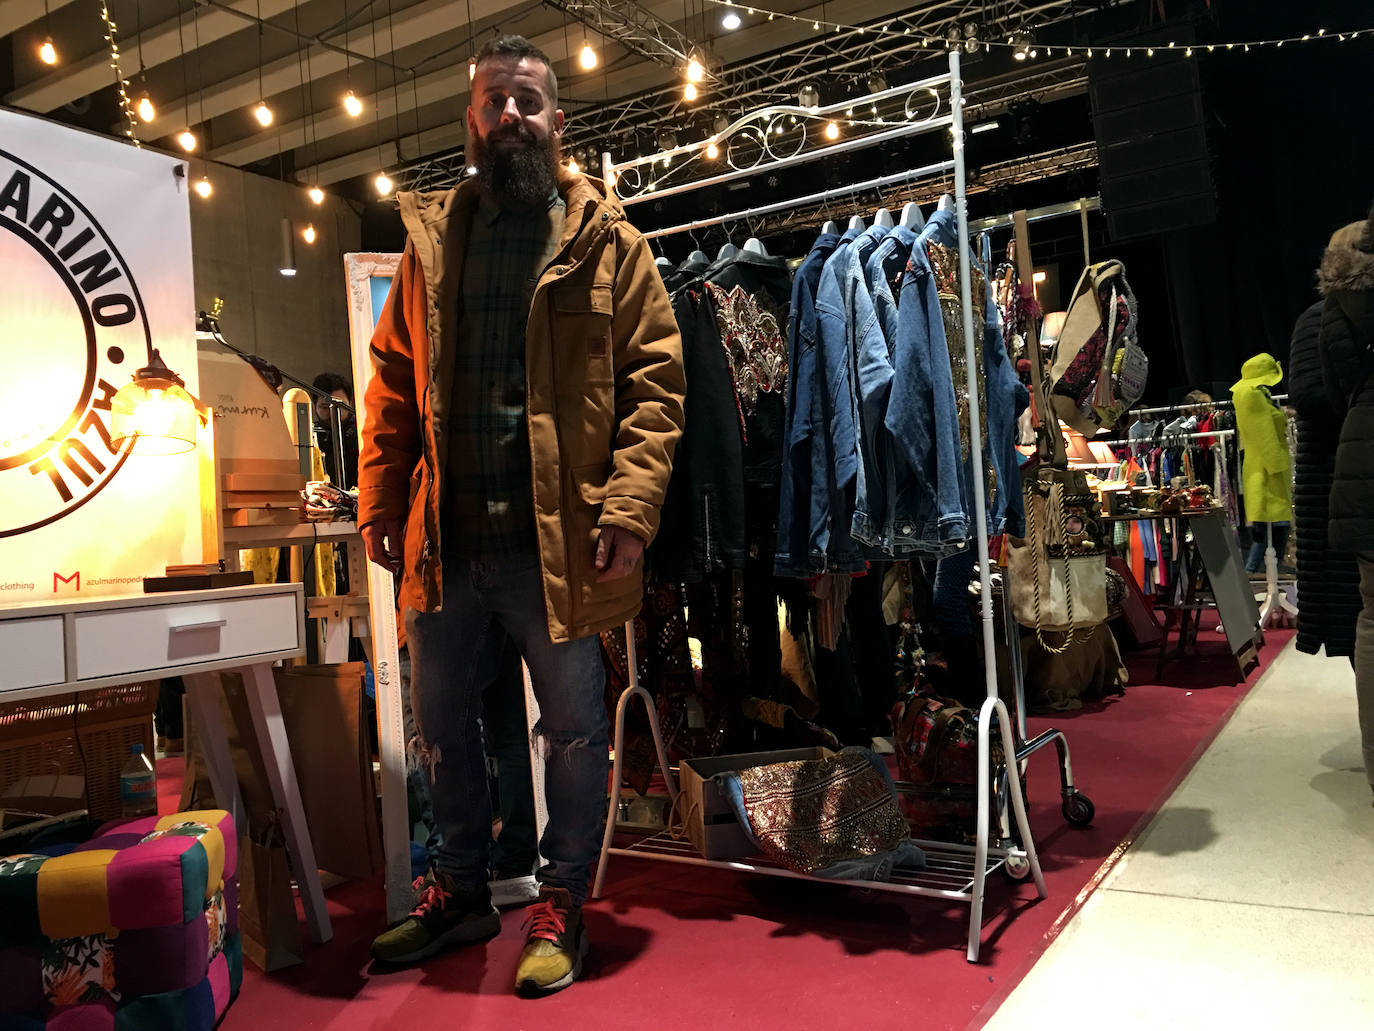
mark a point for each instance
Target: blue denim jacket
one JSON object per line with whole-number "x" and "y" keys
{"x": 895, "y": 511}
{"x": 844, "y": 313}
{"x": 795, "y": 514}
{"x": 922, "y": 415}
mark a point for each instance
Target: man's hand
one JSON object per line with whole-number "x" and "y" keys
{"x": 617, "y": 549}
{"x": 383, "y": 541}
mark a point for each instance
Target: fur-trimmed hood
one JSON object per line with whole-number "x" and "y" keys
{"x": 1348, "y": 263}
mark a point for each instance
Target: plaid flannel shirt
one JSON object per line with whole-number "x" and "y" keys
{"x": 488, "y": 493}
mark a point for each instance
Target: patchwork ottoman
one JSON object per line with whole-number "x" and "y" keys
{"x": 135, "y": 929}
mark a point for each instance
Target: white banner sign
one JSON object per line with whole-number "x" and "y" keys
{"x": 95, "y": 272}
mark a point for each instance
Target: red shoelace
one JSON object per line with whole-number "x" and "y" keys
{"x": 544, "y": 920}
{"x": 430, "y": 897}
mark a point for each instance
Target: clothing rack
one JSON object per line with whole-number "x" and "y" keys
{"x": 1166, "y": 439}
{"x": 1195, "y": 406}
{"x": 953, "y": 873}
{"x": 813, "y": 198}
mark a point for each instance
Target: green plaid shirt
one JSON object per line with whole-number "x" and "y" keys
{"x": 488, "y": 492}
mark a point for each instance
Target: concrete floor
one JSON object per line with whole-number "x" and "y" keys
{"x": 1248, "y": 902}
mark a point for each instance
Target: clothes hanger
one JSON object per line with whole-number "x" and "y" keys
{"x": 911, "y": 217}
{"x": 946, "y": 203}
{"x": 883, "y": 217}
{"x": 728, "y": 250}
{"x": 831, "y": 226}
{"x": 698, "y": 257}
{"x": 858, "y": 223}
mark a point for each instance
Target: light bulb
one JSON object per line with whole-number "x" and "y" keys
{"x": 317, "y": 195}
{"x": 472, "y": 69}
{"x": 832, "y": 131}
{"x": 696, "y": 71}
{"x": 352, "y": 105}
{"x": 383, "y": 184}
{"x": 263, "y": 114}
{"x": 712, "y": 151}
{"x": 47, "y": 53}
{"x": 156, "y": 414}
{"x": 308, "y": 234}
{"x": 587, "y": 57}
{"x": 730, "y": 22}
{"x": 146, "y": 111}
{"x": 187, "y": 140}
{"x": 203, "y": 186}
{"x": 573, "y": 166}
{"x": 689, "y": 92}
{"x": 472, "y": 169}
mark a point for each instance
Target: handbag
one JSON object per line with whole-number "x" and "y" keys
{"x": 1057, "y": 574}
{"x": 936, "y": 741}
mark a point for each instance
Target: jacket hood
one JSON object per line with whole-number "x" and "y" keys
{"x": 1348, "y": 263}
{"x": 1263, "y": 370}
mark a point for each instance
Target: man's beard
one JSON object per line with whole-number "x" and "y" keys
{"x": 518, "y": 177}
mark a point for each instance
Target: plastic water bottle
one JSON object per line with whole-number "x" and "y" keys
{"x": 138, "y": 785}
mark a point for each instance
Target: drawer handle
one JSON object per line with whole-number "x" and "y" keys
{"x": 210, "y": 624}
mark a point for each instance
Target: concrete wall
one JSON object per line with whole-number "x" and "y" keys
{"x": 298, "y": 323}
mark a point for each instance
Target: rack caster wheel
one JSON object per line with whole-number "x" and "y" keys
{"x": 1078, "y": 809}
{"x": 1017, "y": 867}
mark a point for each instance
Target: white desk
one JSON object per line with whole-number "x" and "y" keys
{"x": 74, "y": 645}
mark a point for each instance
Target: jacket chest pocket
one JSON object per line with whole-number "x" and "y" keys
{"x": 582, "y": 328}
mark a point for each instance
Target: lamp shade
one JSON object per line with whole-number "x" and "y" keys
{"x": 154, "y": 414}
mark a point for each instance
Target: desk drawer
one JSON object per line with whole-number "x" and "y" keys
{"x": 135, "y": 640}
{"x": 32, "y": 653}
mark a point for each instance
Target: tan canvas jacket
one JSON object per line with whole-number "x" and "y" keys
{"x": 604, "y": 391}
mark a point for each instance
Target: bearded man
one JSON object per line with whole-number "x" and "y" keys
{"x": 517, "y": 444}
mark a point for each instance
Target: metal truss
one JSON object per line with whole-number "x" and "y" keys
{"x": 831, "y": 61}
{"x": 633, "y": 27}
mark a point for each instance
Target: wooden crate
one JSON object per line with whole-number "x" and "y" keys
{"x": 83, "y": 734}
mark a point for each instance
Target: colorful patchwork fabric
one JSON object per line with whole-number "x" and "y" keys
{"x": 137, "y": 928}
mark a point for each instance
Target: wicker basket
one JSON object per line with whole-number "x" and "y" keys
{"x": 88, "y": 734}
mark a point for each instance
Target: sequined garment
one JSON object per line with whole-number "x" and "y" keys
{"x": 945, "y": 263}
{"x": 812, "y": 814}
{"x": 754, "y": 348}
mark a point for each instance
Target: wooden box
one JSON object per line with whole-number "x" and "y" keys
{"x": 711, "y": 823}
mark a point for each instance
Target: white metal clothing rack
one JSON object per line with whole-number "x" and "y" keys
{"x": 1195, "y": 406}
{"x": 953, "y": 873}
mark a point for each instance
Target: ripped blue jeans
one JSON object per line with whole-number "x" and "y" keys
{"x": 455, "y": 656}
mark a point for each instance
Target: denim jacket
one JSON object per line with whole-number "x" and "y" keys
{"x": 923, "y": 418}
{"x": 897, "y": 512}
{"x": 832, "y": 549}
{"x": 796, "y": 515}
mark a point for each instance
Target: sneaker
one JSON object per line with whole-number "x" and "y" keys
{"x": 443, "y": 917}
{"x": 556, "y": 944}
{"x": 508, "y": 892}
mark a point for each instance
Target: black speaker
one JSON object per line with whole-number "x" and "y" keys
{"x": 1153, "y": 160}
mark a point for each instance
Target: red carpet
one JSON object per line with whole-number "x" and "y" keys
{"x": 675, "y": 947}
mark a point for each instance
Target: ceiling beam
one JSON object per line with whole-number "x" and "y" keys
{"x": 15, "y": 14}
{"x": 451, "y": 86}
{"x": 413, "y": 25}
{"x": 162, "y": 43}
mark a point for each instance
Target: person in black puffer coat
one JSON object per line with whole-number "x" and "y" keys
{"x": 1328, "y": 581}
{"x": 1346, "y": 343}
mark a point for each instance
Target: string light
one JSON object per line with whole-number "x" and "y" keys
{"x": 308, "y": 233}
{"x": 587, "y": 58}
{"x": 187, "y": 140}
{"x": 317, "y": 195}
{"x": 1021, "y": 47}
{"x": 125, "y": 104}
{"x": 263, "y": 114}
{"x": 203, "y": 186}
{"x": 352, "y": 105}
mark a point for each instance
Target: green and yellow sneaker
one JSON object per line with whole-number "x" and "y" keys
{"x": 556, "y": 945}
{"x": 443, "y": 917}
